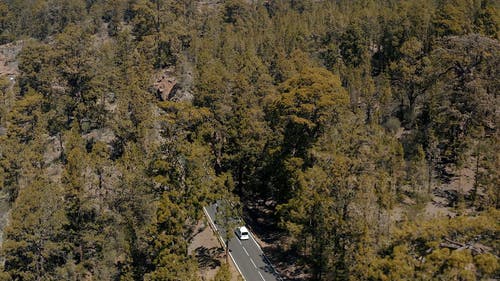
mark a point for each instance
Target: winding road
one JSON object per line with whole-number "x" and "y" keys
{"x": 246, "y": 254}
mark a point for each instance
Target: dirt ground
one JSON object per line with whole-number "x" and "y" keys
{"x": 441, "y": 203}
{"x": 8, "y": 62}
{"x": 209, "y": 253}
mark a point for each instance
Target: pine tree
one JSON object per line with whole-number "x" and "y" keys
{"x": 35, "y": 241}
{"x": 168, "y": 243}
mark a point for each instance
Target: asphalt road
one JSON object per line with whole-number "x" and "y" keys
{"x": 246, "y": 254}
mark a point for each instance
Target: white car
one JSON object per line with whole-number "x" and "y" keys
{"x": 242, "y": 233}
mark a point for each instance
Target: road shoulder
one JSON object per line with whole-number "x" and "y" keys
{"x": 207, "y": 250}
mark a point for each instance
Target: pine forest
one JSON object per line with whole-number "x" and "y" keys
{"x": 355, "y": 139}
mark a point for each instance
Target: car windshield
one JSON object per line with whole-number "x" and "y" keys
{"x": 244, "y": 233}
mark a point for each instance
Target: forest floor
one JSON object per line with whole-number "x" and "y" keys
{"x": 442, "y": 201}
{"x": 444, "y": 197}
{"x": 208, "y": 251}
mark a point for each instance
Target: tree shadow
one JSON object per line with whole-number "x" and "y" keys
{"x": 208, "y": 258}
{"x": 259, "y": 217}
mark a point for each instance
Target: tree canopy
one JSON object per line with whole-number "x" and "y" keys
{"x": 348, "y": 122}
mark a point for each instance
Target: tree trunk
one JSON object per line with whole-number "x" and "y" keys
{"x": 227, "y": 251}
{"x": 476, "y": 179}
{"x": 429, "y": 176}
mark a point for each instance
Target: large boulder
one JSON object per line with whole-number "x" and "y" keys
{"x": 164, "y": 84}
{"x": 168, "y": 87}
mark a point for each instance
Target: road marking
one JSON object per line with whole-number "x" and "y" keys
{"x": 237, "y": 267}
{"x": 264, "y": 255}
{"x": 255, "y": 241}
{"x": 220, "y": 238}
{"x": 213, "y": 224}
{"x": 253, "y": 263}
{"x": 231, "y": 256}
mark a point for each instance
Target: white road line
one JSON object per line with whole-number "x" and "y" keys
{"x": 239, "y": 241}
{"x": 222, "y": 240}
{"x": 230, "y": 255}
{"x": 253, "y": 263}
{"x": 264, "y": 255}
{"x": 237, "y": 267}
{"x": 213, "y": 224}
{"x": 255, "y": 241}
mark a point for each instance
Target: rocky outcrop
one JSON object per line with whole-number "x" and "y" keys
{"x": 105, "y": 135}
{"x": 53, "y": 149}
{"x": 8, "y": 62}
{"x": 168, "y": 88}
{"x": 165, "y": 83}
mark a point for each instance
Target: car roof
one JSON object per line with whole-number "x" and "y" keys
{"x": 243, "y": 229}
